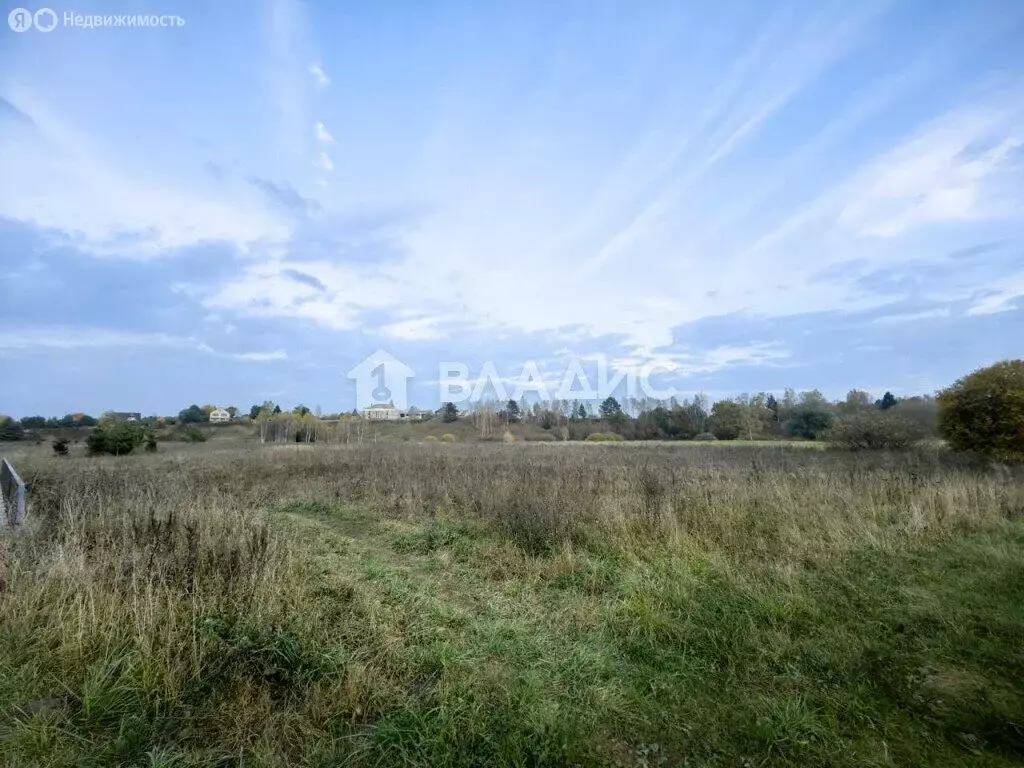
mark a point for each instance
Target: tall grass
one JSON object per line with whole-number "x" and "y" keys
{"x": 179, "y": 611}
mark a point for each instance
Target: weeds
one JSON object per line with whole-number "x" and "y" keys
{"x": 514, "y": 605}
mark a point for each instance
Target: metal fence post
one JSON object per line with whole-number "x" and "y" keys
{"x": 12, "y": 495}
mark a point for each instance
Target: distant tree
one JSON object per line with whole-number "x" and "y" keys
{"x": 581, "y": 412}
{"x": 610, "y": 408}
{"x": 809, "y": 421}
{"x": 115, "y": 437}
{"x": 33, "y": 422}
{"x": 449, "y": 412}
{"x": 727, "y": 420}
{"x": 511, "y": 412}
{"x": 255, "y": 411}
{"x": 277, "y": 410}
{"x": 232, "y": 411}
{"x": 856, "y": 400}
{"x": 300, "y": 410}
{"x": 193, "y": 415}
{"x": 984, "y": 411}
{"x": 887, "y": 401}
{"x": 755, "y": 414}
{"x": 773, "y": 407}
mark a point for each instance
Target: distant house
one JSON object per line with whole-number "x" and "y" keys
{"x": 388, "y": 412}
{"x": 127, "y": 416}
{"x": 219, "y": 416}
{"x": 382, "y": 412}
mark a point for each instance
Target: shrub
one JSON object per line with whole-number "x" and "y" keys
{"x": 10, "y": 429}
{"x": 874, "y": 430}
{"x": 429, "y": 439}
{"x": 118, "y": 438}
{"x": 447, "y": 437}
{"x": 193, "y": 435}
{"x": 984, "y": 411}
{"x": 60, "y": 446}
{"x": 603, "y": 437}
{"x": 508, "y": 437}
{"x": 705, "y": 437}
{"x": 809, "y": 422}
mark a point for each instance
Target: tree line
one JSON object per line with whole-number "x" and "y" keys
{"x": 983, "y": 411}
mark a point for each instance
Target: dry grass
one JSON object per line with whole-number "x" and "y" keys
{"x": 513, "y": 604}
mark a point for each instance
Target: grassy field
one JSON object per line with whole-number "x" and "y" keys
{"x": 488, "y": 604}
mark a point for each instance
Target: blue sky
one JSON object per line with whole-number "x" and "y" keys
{"x": 759, "y": 195}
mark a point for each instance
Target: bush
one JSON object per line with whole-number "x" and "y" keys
{"x": 603, "y": 437}
{"x": 447, "y": 437}
{"x": 705, "y": 437}
{"x": 429, "y": 439}
{"x": 873, "y": 431}
{"x": 508, "y": 437}
{"x": 809, "y": 422}
{"x": 60, "y": 446}
{"x": 10, "y": 429}
{"x": 193, "y": 435}
{"x": 984, "y": 411}
{"x": 118, "y": 438}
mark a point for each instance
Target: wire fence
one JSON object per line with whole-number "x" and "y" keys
{"x": 12, "y": 495}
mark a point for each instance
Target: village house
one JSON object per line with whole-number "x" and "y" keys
{"x": 220, "y": 416}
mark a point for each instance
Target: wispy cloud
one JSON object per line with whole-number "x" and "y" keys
{"x": 911, "y": 317}
{"x": 320, "y": 77}
{"x": 322, "y": 134}
{"x": 63, "y": 337}
{"x": 1002, "y": 297}
{"x": 38, "y": 339}
{"x": 261, "y": 357}
{"x": 323, "y": 162}
{"x": 960, "y": 168}
{"x": 56, "y": 180}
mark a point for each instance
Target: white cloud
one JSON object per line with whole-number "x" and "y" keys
{"x": 55, "y": 180}
{"x": 41, "y": 338}
{"x": 262, "y": 290}
{"x": 322, "y": 134}
{"x": 320, "y": 78}
{"x": 64, "y": 337}
{"x": 262, "y": 357}
{"x": 909, "y": 317}
{"x": 1000, "y": 297}
{"x": 958, "y": 169}
{"x": 323, "y": 162}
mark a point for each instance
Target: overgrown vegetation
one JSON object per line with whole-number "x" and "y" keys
{"x": 495, "y": 604}
{"x": 117, "y": 437}
{"x": 984, "y": 411}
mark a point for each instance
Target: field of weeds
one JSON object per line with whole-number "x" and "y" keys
{"x": 527, "y": 605}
